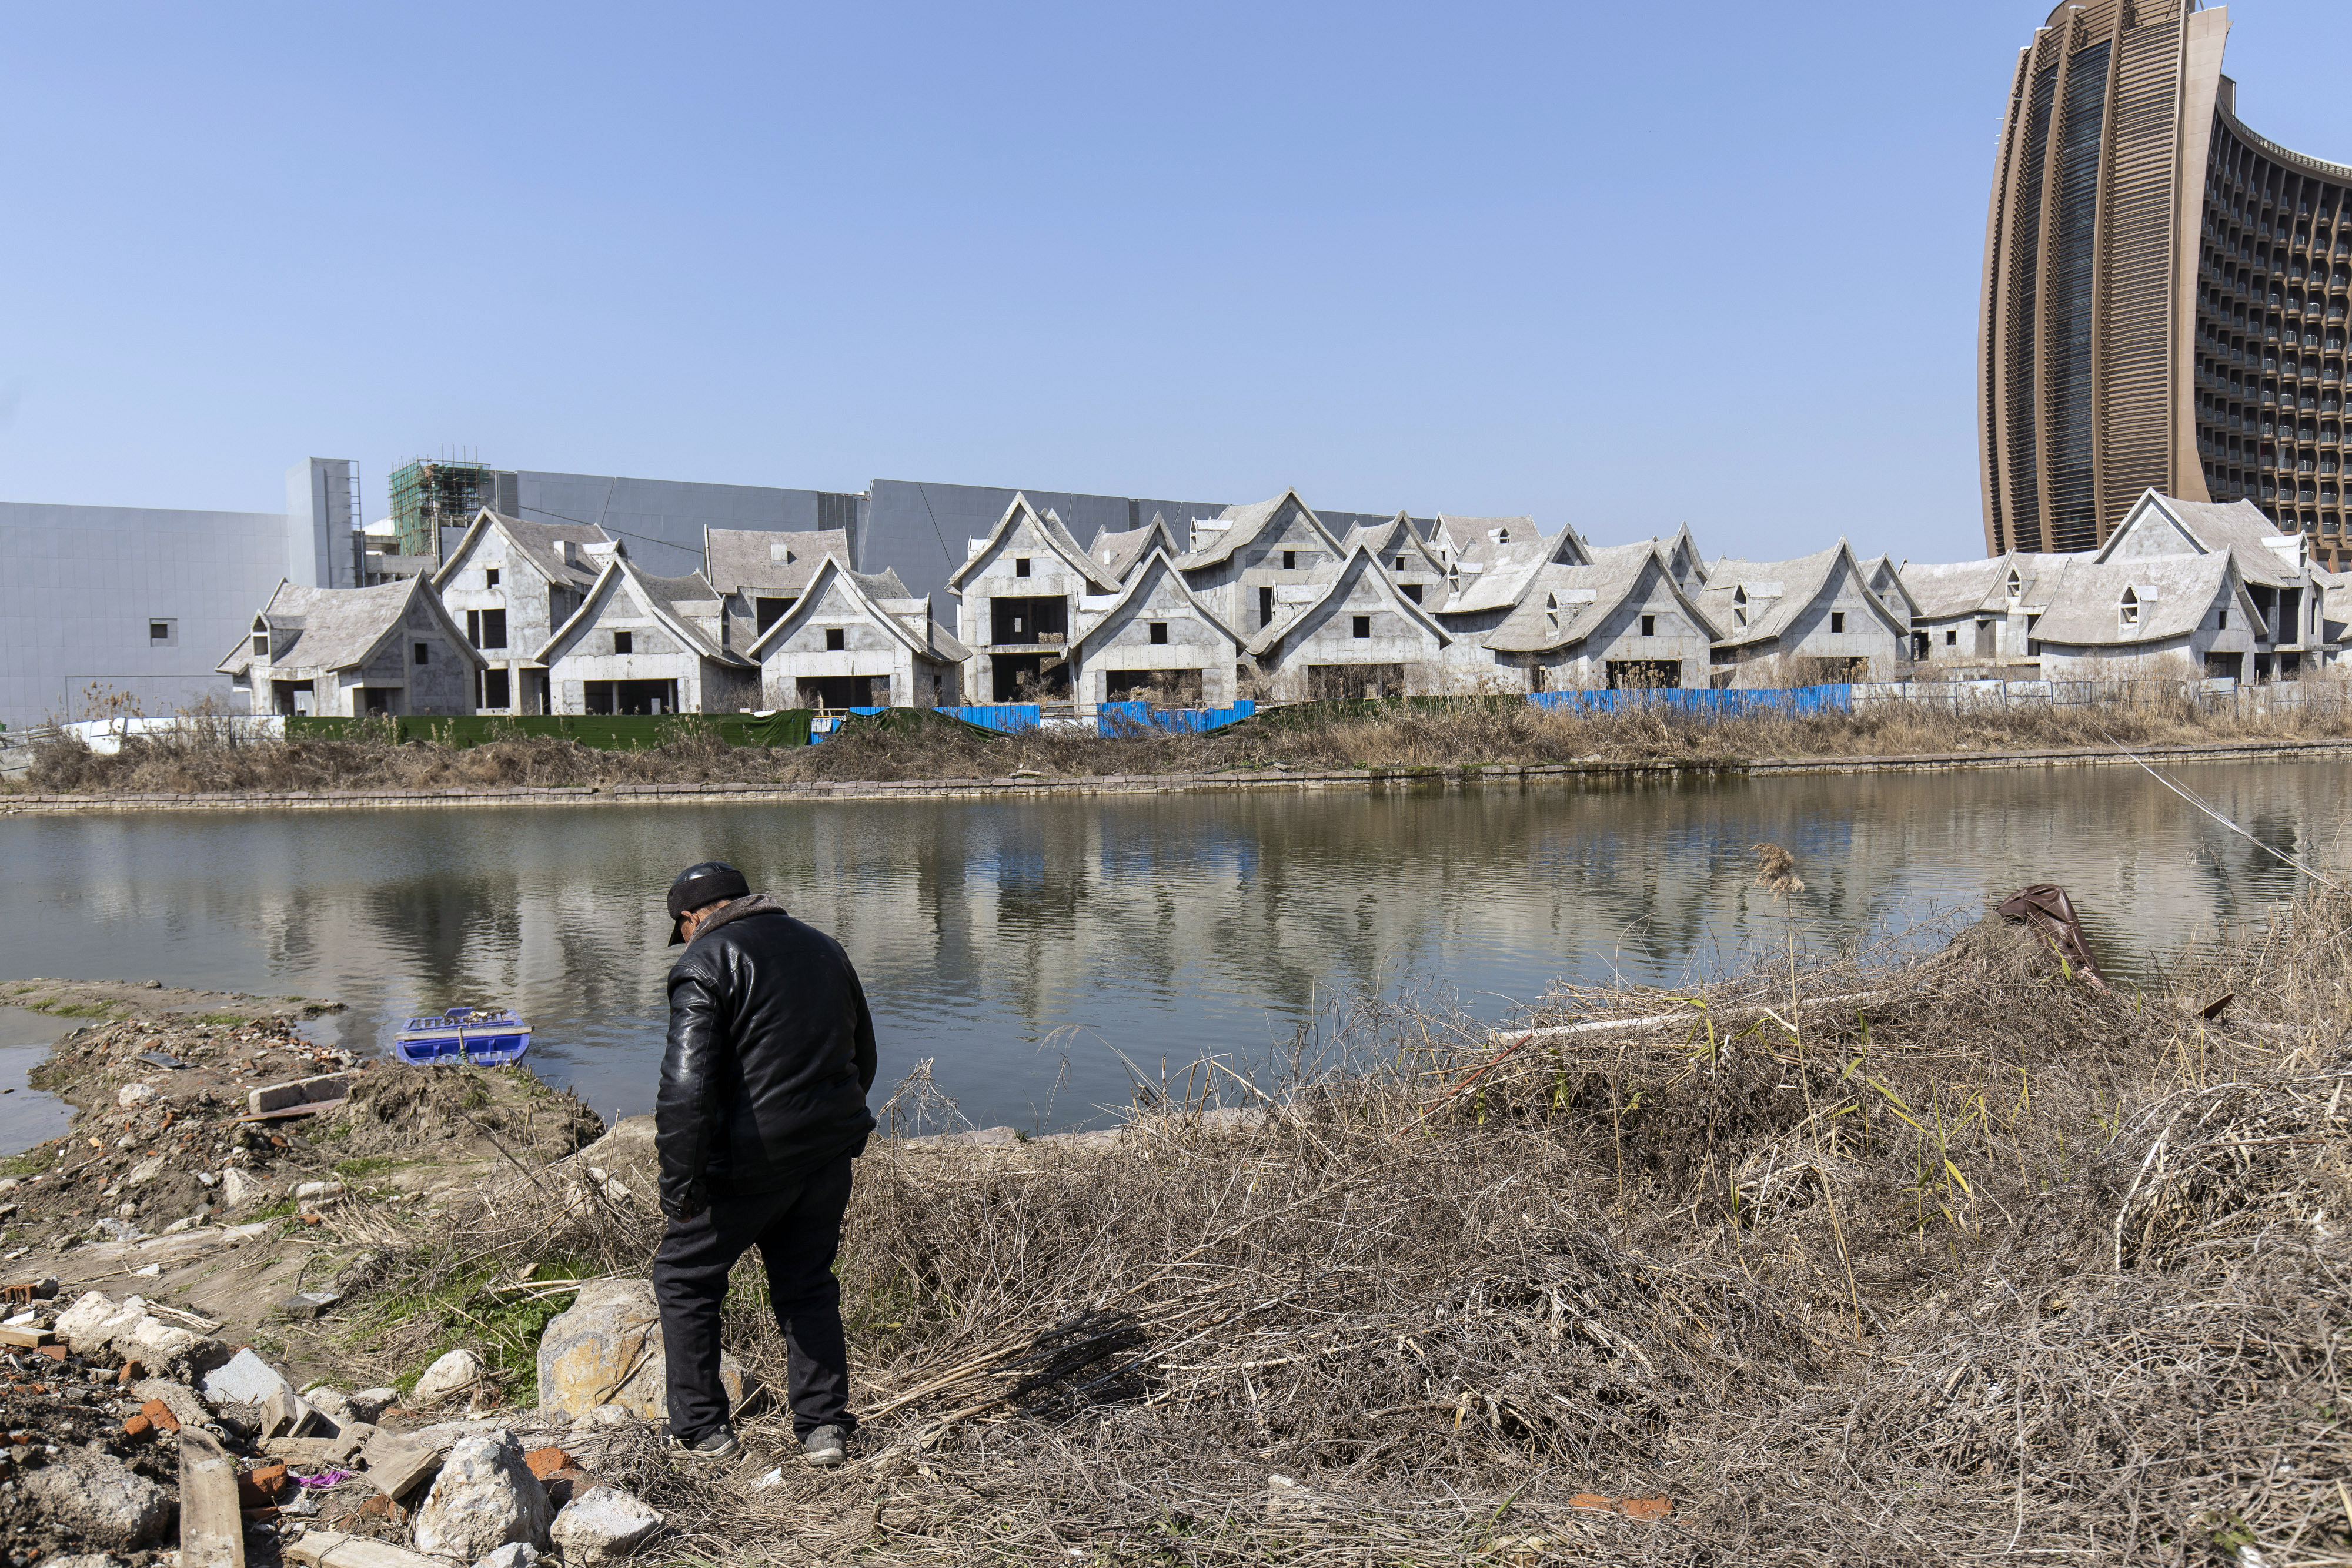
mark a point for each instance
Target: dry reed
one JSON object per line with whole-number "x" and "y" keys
{"x": 1946, "y": 1256}
{"x": 1472, "y": 731}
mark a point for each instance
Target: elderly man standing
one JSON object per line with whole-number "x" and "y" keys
{"x": 761, "y": 1108}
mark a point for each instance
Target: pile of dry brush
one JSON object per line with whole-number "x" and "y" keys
{"x": 1866, "y": 1262}
{"x": 1472, "y": 731}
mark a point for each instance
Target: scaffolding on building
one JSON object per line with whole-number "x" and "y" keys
{"x": 435, "y": 493}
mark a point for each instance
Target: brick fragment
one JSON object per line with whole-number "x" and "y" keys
{"x": 1646, "y": 1508}
{"x": 545, "y": 1462}
{"x": 156, "y": 1411}
{"x": 132, "y": 1371}
{"x": 138, "y": 1428}
{"x": 1591, "y": 1499}
{"x": 56, "y": 1353}
{"x": 259, "y": 1486}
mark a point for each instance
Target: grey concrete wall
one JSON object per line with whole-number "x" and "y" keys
{"x": 79, "y": 586}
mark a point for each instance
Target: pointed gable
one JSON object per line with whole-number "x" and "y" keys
{"x": 1238, "y": 527}
{"x": 2160, "y": 525}
{"x": 1023, "y": 528}
{"x": 1155, "y": 581}
{"x": 674, "y": 603}
{"x": 1757, "y": 602}
{"x": 1120, "y": 553}
{"x": 1564, "y": 605}
{"x": 559, "y": 553}
{"x": 879, "y": 599}
{"x": 1358, "y": 576}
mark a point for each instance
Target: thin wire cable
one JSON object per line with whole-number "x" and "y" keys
{"x": 2218, "y": 817}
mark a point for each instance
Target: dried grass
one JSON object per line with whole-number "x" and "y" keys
{"x": 1885, "y": 1260}
{"x": 1471, "y": 731}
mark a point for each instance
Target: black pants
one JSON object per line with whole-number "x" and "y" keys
{"x": 797, "y": 1230}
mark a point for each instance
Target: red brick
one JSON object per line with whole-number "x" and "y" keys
{"x": 131, "y": 1372}
{"x": 156, "y": 1411}
{"x": 1646, "y": 1508}
{"x": 54, "y": 1351}
{"x": 545, "y": 1462}
{"x": 259, "y": 1486}
{"x": 138, "y": 1428}
{"x": 1593, "y": 1500}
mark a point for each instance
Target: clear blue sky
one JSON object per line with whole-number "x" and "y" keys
{"x": 1625, "y": 266}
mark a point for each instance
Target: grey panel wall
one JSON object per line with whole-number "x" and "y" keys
{"x": 319, "y": 523}
{"x": 79, "y": 586}
{"x": 663, "y": 519}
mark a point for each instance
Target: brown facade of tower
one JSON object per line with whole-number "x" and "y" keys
{"x": 2164, "y": 291}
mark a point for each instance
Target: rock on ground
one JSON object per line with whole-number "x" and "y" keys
{"x": 513, "y": 1554}
{"x": 607, "y": 1350}
{"x": 484, "y": 1497}
{"x": 244, "y": 1379}
{"x": 453, "y": 1374}
{"x": 99, "y": 1500}
{"x": 603, "y": 1525}
{"x": 369, "y": 1404}
{"x": 239, "y": 1188}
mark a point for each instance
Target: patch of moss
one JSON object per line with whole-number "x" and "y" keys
{"x": 372, "y": 1165}
{"x": 79, "y": 1010}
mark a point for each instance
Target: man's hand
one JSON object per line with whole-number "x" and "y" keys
{"x": 686, "y": 1202}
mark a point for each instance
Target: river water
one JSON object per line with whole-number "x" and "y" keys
{"x": 1025, "y": 946}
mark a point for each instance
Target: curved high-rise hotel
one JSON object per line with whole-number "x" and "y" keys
{"x": 2164, "y": 291}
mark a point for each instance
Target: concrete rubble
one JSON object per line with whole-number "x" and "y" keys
{"x": 484, "y": 1497}
{"x": 454, "y": 1374}
{"x": 101, "y": 1476}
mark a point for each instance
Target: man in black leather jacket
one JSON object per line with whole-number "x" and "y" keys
{"x": 761, "y": 1108}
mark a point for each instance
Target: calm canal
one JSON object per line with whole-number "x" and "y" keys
{"x": 1026, "y": 945}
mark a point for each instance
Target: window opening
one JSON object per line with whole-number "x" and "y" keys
{"x": 624, "y": 642}
{"x": 1160, "y": 631}
{"x": 490, "y": 579}
{"x": 1363, "y": 626}
{"x": 1019, "y": 566}
{"x": 423, "y": 654}
{"x": 1649, "y": 625}
{"x": 836, "y": 638}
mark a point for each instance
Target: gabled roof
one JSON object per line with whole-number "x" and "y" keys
{"x": 1357, "y": 563}
{"x": 538, "y": 546}
{"x": 340, "y": 628}
{"x": 1682, "y": 542}
{"x": 1240, "y": 525}
{"x": 1774, "y": 593}
{"x": 1119, "y": 553}
{"x": 884, "y": 602}
{"x": 1390, "y": 539}
{"x": 661, "y": 597}
{"x": 1048, "y": 528}
{"x": 735, "y": 560}
{"x": 2238, "y": 528}
{"x": 2174, "y": 592}
{"x": 1884, "y": 577}
{"x": 1154, "y": 565}
{"x": 1494, "y": 558}
{"x": 1940, "y": 590}
{"x": 1582, "y": 597}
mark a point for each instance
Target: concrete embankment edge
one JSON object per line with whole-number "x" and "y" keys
{"x": 1158, "y": 783}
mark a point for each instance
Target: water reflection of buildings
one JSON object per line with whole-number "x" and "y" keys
{"x": 1163, "y": 924}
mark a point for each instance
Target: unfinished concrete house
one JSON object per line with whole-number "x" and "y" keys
{"x": 1800, "y": 622}
{"x": 645, "y": 644}
{"x": 1017, "y": 599}
{"x": 1155, "y": 640}
{"x": 1979, "y": 614}
{"x": 858, "y": 640}
{"x": 1489, "y": 562}
{"x": 2176, "y": 616}
{"x": 2276, "y": 569}
{"x": 1254, "y": 565}
{"x": 510, "y": 583}
{"x": 348, "y": 653}
{"x": 1624, "y": 623}
{"x": 1359, "y": 637}
{"x": 760, "y": 575}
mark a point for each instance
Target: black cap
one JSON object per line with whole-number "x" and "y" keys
{"x": 709, "y": 881}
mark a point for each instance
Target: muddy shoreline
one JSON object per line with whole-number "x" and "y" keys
{"x": 1464, "y": 777}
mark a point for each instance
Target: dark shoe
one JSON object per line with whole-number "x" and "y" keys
{"x": 719, "y": 1446}
{"x": 827, "y": 1445}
